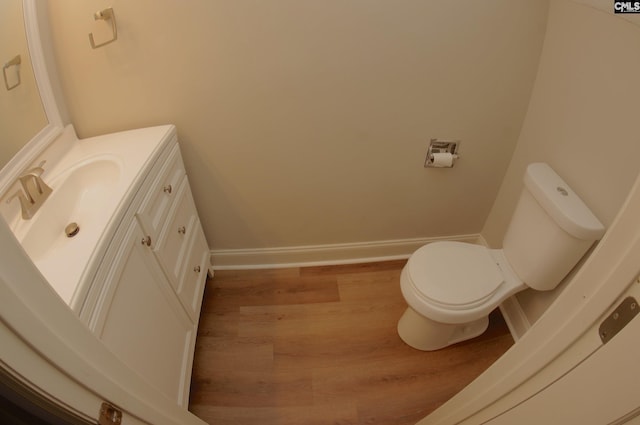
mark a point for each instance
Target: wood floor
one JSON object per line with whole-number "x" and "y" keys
{"x": 319, "y": 345}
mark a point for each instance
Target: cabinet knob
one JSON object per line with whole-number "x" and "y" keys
{"x": 196, "y": 269}
{"x": 182, "y": 230}
{"x": 167, "y": 189}
{"x": 146, "y": 241}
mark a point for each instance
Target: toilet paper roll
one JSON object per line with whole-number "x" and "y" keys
{"x": 442, "y": 160}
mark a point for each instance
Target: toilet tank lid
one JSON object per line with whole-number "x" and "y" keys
{"x": 562, "y": 203}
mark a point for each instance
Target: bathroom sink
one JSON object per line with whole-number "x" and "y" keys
{"x": 91, "y": 180}
{"x": 86, "y": 194}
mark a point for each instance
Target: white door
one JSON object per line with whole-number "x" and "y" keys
{"x": 603, "y": 389}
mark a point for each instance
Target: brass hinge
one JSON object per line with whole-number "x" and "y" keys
{"x": 618, "y": 319}
{"x": 109, "y": 415}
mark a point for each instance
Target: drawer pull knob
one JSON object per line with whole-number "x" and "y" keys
{"x": 146, "y": 241}
{"x": 196, "y": 269}
{"x": 182, "y": 230}
{"x": 167, "y": 189}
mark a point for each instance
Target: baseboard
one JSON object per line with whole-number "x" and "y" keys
{"x": 332, "y": 254}
{"x": 515, "y": 317}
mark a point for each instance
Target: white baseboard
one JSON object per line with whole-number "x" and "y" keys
{"x": 315, "y": 255}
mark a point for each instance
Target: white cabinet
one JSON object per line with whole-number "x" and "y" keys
{"x": 145, "y": 301}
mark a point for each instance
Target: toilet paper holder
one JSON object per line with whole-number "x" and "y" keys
{"x": 442, "y": 153}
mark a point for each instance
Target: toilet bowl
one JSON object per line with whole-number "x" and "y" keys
{"x": 442, "y": 311}
{"x": 451, "y": 287}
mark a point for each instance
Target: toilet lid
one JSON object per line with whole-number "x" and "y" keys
{"x": 454, "y": 274}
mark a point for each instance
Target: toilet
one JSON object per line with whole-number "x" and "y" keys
{"x": 451, "y": 287}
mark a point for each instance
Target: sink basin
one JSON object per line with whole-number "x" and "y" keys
{"x": 91, "y": 179}
{"x": 83, "y": 196}
{"x": 86, "y": 195}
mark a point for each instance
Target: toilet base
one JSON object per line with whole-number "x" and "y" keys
{"x": 425, "y": 334}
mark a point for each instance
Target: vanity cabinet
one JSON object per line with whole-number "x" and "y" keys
{"x": 146, "y": 296}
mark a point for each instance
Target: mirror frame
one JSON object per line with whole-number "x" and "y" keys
{"x": 54, "y": 127}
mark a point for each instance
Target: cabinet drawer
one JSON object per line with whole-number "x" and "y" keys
{"x": 194, "y": 275}
{"x": 155, "y": 207}
{"x": 173, "y": 247}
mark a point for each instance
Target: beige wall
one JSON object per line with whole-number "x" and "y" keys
{"x": 582, "y": 119}
{"x": 307, "y": 122}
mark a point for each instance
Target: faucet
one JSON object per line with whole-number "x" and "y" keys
{"x": 34, "y": 191}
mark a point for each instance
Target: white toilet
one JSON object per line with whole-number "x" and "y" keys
{"x": 451, "y": 287}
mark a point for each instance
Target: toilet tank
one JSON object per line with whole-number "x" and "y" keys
{"x": 550, "y": 230}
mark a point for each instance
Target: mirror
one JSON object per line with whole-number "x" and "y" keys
{"x": 29, "y": 116}
{"x": 22, "y": 115}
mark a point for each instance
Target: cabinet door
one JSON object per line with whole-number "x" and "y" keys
{"x": 194, "y": 275}
{"x": 143, "y": 323}
{"x": 162, "y": 194}
{"x": 173, "y": 244}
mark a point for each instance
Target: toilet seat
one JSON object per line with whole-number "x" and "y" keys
{"x": 456, "y": 282}
{"x": 438, "y": 274}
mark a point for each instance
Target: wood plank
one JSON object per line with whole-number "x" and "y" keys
{"x": 229, "y": 353}
{"x": 252, "y": 388}
{"x": 357, "y": 268}
{"x": 371, "y": 286}
{"x": 217, "y": 318}
{"x": 341, "y": 413}
{"x": 222, "y": 276}
{"x": 339, "y": 319}
{"x": 267, "y": 290}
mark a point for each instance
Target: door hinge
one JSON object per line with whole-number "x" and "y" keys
{"x": 618, "y": 319}
{"x": 109, "y": 415}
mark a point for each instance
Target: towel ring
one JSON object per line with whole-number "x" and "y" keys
{"x": 106, "y": 14}
{"x": 13, "y": 62}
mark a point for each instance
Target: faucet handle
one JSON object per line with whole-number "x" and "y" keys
{"x": 37, "y": 170}
{"x": 33, "y": 191}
